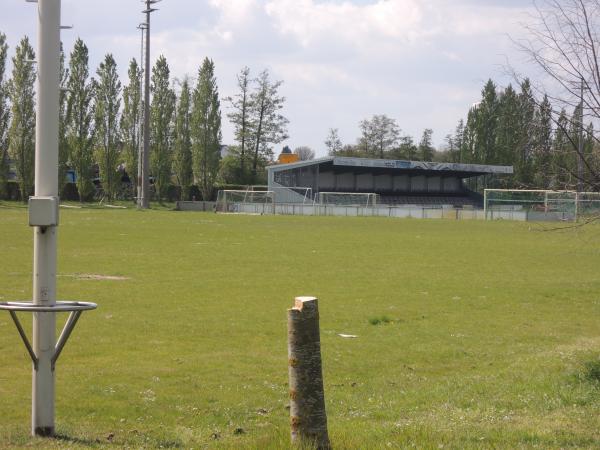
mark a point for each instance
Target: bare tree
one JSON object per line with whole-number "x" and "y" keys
{"x": 304, "y": 153}
{"x": 333, "y": 142}
{"x": 563, "y": 40}
{"x": 379, "y": 134}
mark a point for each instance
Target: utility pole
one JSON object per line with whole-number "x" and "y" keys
{"x": 144, "y": 179}
{"x": 141, "y": 27}
{"x": 580, "y": 145}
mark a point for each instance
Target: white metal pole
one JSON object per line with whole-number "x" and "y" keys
{"x": 485, "y": 205}
{"x": 44, "y": 243}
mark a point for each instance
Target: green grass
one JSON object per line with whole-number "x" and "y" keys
{"x": 492, "y": 342}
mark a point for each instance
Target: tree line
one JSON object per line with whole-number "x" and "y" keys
{"x": 506, "y": 127}
{"x": 100, "y": 126}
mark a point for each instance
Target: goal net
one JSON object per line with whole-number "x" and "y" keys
{"x": 533, "y": 205}
{"x": 285, "y": 194}
{"x": 245, "y": 202}
{"x": 368, "y": 199}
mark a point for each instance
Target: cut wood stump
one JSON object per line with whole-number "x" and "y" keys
{"x": 308, "y": 419}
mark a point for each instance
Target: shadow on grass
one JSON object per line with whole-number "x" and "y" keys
{"x": 76, "y": 440}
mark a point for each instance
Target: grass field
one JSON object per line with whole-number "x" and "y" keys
{"x": 470, "y": 334}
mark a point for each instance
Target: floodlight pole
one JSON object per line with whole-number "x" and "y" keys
{"x": 44, "y": 243}
{"x": 140, "y": 150}
{"x": 144, "y": 201}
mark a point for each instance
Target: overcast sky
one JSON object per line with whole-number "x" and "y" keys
{"x": 421, "y": 62}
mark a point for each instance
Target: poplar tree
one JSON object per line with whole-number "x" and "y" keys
{"x": 106, "y": 108}
{"x": 21, "y": 133}
{"x": 130, "y": 123}
{"x": 458, "y": 139}
{"x": 524, "y": 157}
{"x": 270, "y": 126}
{"x": 544, "y": 176}
{"x": 426, "y": 146}
{"x": 4, "y": 117}
{"x": 485, "y": 126}
{"x": 63, "y": 145}
{"x": 162, "y": 109}
{"x": 206, "y": 129}
{"x": 80, "y": 132}
{"x": 241, "y": 117}
{"x": 508, "y": 139}
{"x": 561, "y": 148}
{"x": 182, "y": 154}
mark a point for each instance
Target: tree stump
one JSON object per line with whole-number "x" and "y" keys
{"x": 308, "y": 419}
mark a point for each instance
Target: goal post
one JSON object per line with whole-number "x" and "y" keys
{"x": 360, "y": 199}
{"x": 530, "y": 204}
{"x": 287, "y": 194}
{"x": 245, "y": 202}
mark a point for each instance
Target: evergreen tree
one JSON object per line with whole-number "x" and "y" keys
{"x": 468, "y": 149}
{"x": 131, "y": 123}
{"x": 591, "y": 174}
{"x": 561, "y": 149}
{"x": 426, "y": 149}
{"x": 524, "y": 157}
{"x": 406, "y": 149}
{"x": 162, "y": 110}
{"x": 485, "y": 127}
{"x": 458, "y": 139}
{"x": 206, "y": 129}
{"x": 21, "y": 133}
{"x": 182, "y": 156}
{"x": 542, "y": 152}
{"x": 270, "y": 127}
{"x": 107, "y": 104}
{"x": 451, "y": 154}
{"x": 242, "y": 119}
{"x": 333, "y": 142}
{"x": 507, "y": 131}
{"x": 80, "y": 132}
{"x": 572, "y": 156}
{"x": 4, "y": 118}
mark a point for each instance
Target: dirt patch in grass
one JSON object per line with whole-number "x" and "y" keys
{"x": 95, "y": 276}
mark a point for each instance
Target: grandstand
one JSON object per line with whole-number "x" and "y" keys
{"x": 396, "y": 182}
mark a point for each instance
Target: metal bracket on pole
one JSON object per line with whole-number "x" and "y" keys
{"x": 75, "y": 308}
{"x": 15, "y": 319}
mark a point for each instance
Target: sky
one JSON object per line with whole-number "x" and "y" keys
{"x": 421, "y": 62}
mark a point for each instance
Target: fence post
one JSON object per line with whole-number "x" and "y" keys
{"x": 308, "y": 419}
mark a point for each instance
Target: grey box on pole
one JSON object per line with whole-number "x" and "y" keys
{"x": 43, "y": 211}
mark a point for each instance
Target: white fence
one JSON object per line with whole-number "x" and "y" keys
{"x": 416, "y": 212}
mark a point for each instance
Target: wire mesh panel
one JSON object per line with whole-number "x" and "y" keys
{"x": 288, "y": 194}
{"x": 367, "y": 199}
{"x": 530, "y": 205}
{"x": 245, "y": 202}
{"x": 588, "y": 204}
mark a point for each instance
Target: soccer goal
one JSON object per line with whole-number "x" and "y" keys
{"x": 284, "y": 194}
{"x": 530, "y": 204}
{"x": 245, "y": 202}
{"x": 367, "y": 199}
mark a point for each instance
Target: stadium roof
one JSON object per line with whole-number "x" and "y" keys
{"x": 343, "y": 163}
